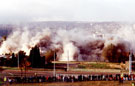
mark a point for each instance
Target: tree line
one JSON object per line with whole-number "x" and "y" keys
{"x": 34, "y": 60}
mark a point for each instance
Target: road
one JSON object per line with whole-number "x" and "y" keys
{"x": 13, "y": 73}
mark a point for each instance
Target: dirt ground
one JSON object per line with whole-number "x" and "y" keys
{"x": 88, "y": 83}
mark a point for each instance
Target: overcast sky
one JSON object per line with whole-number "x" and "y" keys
{"x": 66, "y": 10}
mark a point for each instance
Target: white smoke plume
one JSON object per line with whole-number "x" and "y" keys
{"x": 77, "y": 43}
{"x": 22, "y": 39}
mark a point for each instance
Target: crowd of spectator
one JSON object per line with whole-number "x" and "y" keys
{"x": 70, "y": 78}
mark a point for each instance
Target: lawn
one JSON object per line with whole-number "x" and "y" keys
{"x": 98, "y": 65}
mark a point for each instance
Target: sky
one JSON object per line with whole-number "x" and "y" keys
{"x": 66, "y": 10}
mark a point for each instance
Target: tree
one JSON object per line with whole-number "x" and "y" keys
{"x": 23, "y": 61}
{"x": 35, "y": 58}
{"x": 13, "y": 60}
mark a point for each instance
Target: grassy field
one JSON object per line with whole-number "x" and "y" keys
{"x": 89, "y": 83}
{"x": 98, "y": 65}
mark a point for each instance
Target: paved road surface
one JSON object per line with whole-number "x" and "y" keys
{"x": 13, "y": 73}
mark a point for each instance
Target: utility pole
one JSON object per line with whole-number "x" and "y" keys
{"x": 18, "y": 60}
{"x": 54, "y": 71}
{"x": 130, "y": 63}
{"x": 67, "y": 60}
